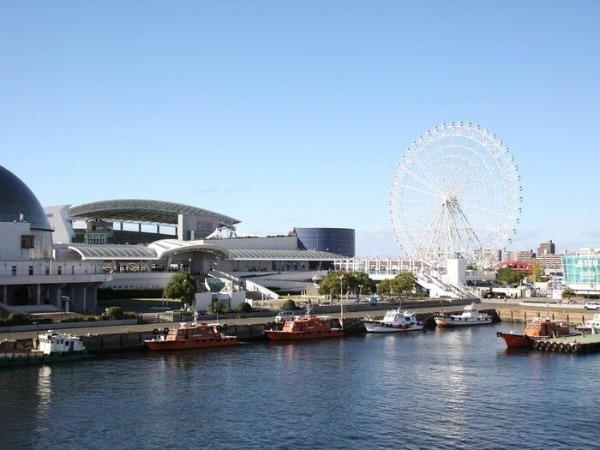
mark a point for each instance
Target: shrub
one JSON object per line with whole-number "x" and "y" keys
{"x": 219, "y": 307}
{"x": 245, "y": 307}
{"x": 17, "y": 318}
{"x": 289, "y": 304}
{"x": 114, "y": 313}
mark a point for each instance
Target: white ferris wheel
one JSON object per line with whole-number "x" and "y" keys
{"x": 455, "y": 193}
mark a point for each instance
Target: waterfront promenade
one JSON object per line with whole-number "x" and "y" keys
{"x": 515, "y": 310}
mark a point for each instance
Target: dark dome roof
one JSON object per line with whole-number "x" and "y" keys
{"x": 17, "y": 199}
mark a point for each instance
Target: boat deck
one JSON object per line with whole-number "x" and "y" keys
{"x": 575, "y": 343}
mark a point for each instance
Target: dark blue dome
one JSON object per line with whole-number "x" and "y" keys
{"x": 17, "y": 201}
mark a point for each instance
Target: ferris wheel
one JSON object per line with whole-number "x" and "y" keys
{"x": 455, "y": 193}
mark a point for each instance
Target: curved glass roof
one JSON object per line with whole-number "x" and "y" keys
{"x": 113, "y": 252}
{"x": 282, "y": 255}
{"x": 156, "y": 252}
{"x": 19, "y": 203}
{"x": 149, "y": 211}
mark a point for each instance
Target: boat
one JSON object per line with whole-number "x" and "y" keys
{"x": 470, "y": 316}
{"x": 305, "y": 327}
{"x": 50, "y": 347}
{"x": 590, "y": 326}
{"x": 189, "y": 336}
{"x": 394, "y": 321}
{"x": 535, "y": 329}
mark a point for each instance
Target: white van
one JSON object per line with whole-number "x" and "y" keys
{"x": 284, "y": 315}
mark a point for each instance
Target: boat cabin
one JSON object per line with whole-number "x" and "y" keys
{"x": 53, "y": 342}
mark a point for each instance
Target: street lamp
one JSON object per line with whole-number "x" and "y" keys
{"x": 342, "y": 300}
{"x": 359, "y": 292}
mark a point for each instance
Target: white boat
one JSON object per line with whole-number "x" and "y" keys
{"x": 470, "y": 316}
{"x": 394, "y": 321}
{"x": 590, "y": 326}
{"x": 49, "y": 348}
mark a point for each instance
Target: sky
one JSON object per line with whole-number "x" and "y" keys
{"x": 288, "y": 114}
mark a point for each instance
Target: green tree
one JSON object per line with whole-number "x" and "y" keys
{"x": 508, "y": 276}
{"x": 568, "y": 293}
{"x": 359, "y": 283}
{"x": 385, "y": 287}
{"x": 333, "y": 283}
{"x": 339, "y": 283}
{"x": 403, "y": 283}
{"x": 182, "y": 286}
{"x": 536, "y": 274}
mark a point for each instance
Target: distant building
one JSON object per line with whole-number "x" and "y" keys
{"x": 523, "y": 255}
{"x": 35, "y": 274}
{"x": 582, "y": 271}
{"x": 546, "y": 248}
{"x": 47, "y": 263}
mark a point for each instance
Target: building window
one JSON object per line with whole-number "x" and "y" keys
{"x": 14, "y": 270}
{"x": 27, "y": 241}
{"x": 59, "y": 269}
{"x": 30, "y": 270}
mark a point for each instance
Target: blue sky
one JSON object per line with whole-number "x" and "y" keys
{"x": 290, "y": 114}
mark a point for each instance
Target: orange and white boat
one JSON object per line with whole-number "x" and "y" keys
{"x": 535, "y": 329}
{"x": 191, "y": 336}
{"x": 305, "y": 327}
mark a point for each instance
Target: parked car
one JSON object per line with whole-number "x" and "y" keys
{"x": 284, "y": 315}
{"x": 592, "y": 305}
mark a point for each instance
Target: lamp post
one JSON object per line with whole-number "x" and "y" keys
{"x": 359, "y": 292}
{"x": 342, "y": 300}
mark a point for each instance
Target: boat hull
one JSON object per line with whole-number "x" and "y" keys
{"x": 276, "y": 335}
{"x": 449, "y": 323}
{"x": 38, "y": 358}
{"x": 190, "y": 344}
{"x": 376, "y": 327}
{"x": 516, "y": 340}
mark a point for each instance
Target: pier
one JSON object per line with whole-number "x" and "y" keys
{"x": 130, "y": 337}
{"x": 577, "y": 343}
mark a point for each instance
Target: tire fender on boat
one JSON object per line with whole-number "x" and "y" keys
{"x": 155, "y": 331}
{"x": 166, "y": 331}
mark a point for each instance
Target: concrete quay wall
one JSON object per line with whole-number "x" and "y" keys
{"x": 570, "y": 316}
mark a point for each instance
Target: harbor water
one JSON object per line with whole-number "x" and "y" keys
{"x": 440, "y": 389}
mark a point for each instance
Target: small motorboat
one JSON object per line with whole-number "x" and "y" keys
{"x": 305, "y": 327}
{"x": 191, "y": 336}
{"x": 590, "y": 326}
{"x": 535, "y": 329}
{"x": 50, "y": 347}
{"x": 394, "y": 321}
{"x": 470, "y": 316}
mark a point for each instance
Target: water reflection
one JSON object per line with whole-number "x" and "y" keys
{"x": 44, "y": 392}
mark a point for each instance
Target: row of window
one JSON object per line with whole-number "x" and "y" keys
{"x": 59, "y": 270}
